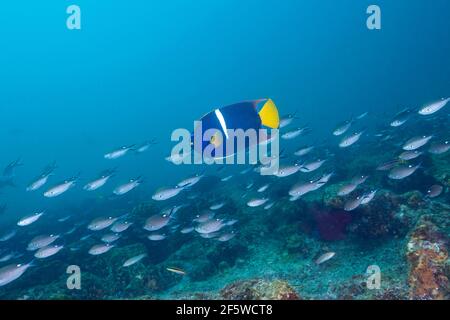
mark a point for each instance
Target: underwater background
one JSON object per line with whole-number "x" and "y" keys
{"x": 135, "y": 72}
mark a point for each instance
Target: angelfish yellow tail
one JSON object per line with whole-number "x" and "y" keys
{"x": 269, "y": 115}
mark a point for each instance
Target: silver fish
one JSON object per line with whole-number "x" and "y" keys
{"x": 210, "y": 226}
{"x": 145, "y": 146}
{"x": 48, "y": 251}
{"x": 100, "y": 249}
{"x": 120, "y": 226}
{"x": 352, "y": 204}
{"x": 8, "y": 235}
{"x": 286, "y": 120}
{"x": 186, "y": 230}
{"x": 110, "y": 237}
{"x": 347, "y": 189}
{"x": 416, "y": 143}
{"x": 12, "y": 272}
{"x": 25, "y": 221}
{"x": 157, "y": 222}
{"x": 41, "y": 241}
{"x": 189, "y": 182}
{"x": 350, "y": 140}
{"x": 312, "y": 166}
{"x": 118, "y": 152}
{"x": 387, "y": 165}
{"x": 99, "y": 182}
{"x": 101, "y": 223}
{"x": 134, "y": 260}
{"x": 217, "y": 206}
{"x": 204, "y": 216}
{"x": 401, "y": 118}
{"x": 294, "y": 133}
{"x": 325, "y": 257}
{"x": 253, "y": 203}
{"x": 38, "y": 183}
{"x": 226, "y": 236}
{"x": 435, "y": 191}
{"x": 401, "y": 172}
{"x": 342, "y": 128}
{"x": 439, "y": 148}
{"x": 410, "y": 155}
{"x": 156, "y": 237}
{"x": 359, "y": 179}
{"x": 127, "y": 187}
{"x": 167, "y": 193}
{"x": 303, "y": 151}
{"x": 60, "y": 188}
{"x": 302, "y": 188}
{"x": 366, "y": 198}
{"x": 434, "y": 107}
{"x": 263, "y": 188}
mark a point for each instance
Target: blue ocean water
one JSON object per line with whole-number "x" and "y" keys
{"x": 135, "y": 72}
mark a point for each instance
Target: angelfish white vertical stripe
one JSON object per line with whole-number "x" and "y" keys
{"x": 219, "y": 116}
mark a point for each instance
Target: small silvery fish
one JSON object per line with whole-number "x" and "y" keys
{"x": 120, "y": 226}
{"x": 8, "y": 235}
{"x": 226, "y": 237}
{"x": 99, "y": 182}
{"x": 134, "y": 260}
{"x": 100, "y": 249}
{"x": 312, "y": 166}
{"x": 347, "y": 189}
{"x": 350, "y": 140}
{"x": 156, "y": 237}
{"x": 434, "y": 107}
{"x": 352, "y": 204}
{"x": 387, "y": 165}
{"x": 439, "y": 148}
{"x": 118, "y": 152}
{"x": 256, "y": 202}
{"x": 41, "y": 241}
{"x": 204, "y": 216}
{"x": 176, "y": 270}
{"x": 189, "y": 182}
{"x": 325, "y": 257}
{"x": 416, "y": 143}
{"x": 217, "y": 206}
{"x": 110, "y": 237}
{"x": 366, "y": 198}
{"x": 303, "y": 151}
{"x": 293, "y": 133}
{"x": 12, "y": 272}
{"x": 127, "y": 187}
{"x": 286, "y": 120}
{"x": 401, "y": 172}
{"x": 210, "y": 226}
{"x": 101, "y": 223}
{"x": 61, "y": 188}
{"x": 342, "y": 128}
{"x": 157, "y": 222}
{"x": 410, "y": 155}
{"x": 187, "y": 230}
{"x": 400, "y": 118}
{"x": 26, "y": 221}
{"x": 435, "y": 191}
{"x": 166, "y": 193}
{"x": 48, "y": 251}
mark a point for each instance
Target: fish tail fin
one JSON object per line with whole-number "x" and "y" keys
{"x": 269, "y": 114}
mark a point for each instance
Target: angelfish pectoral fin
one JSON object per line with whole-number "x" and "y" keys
{"x": 269, "y": 115}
